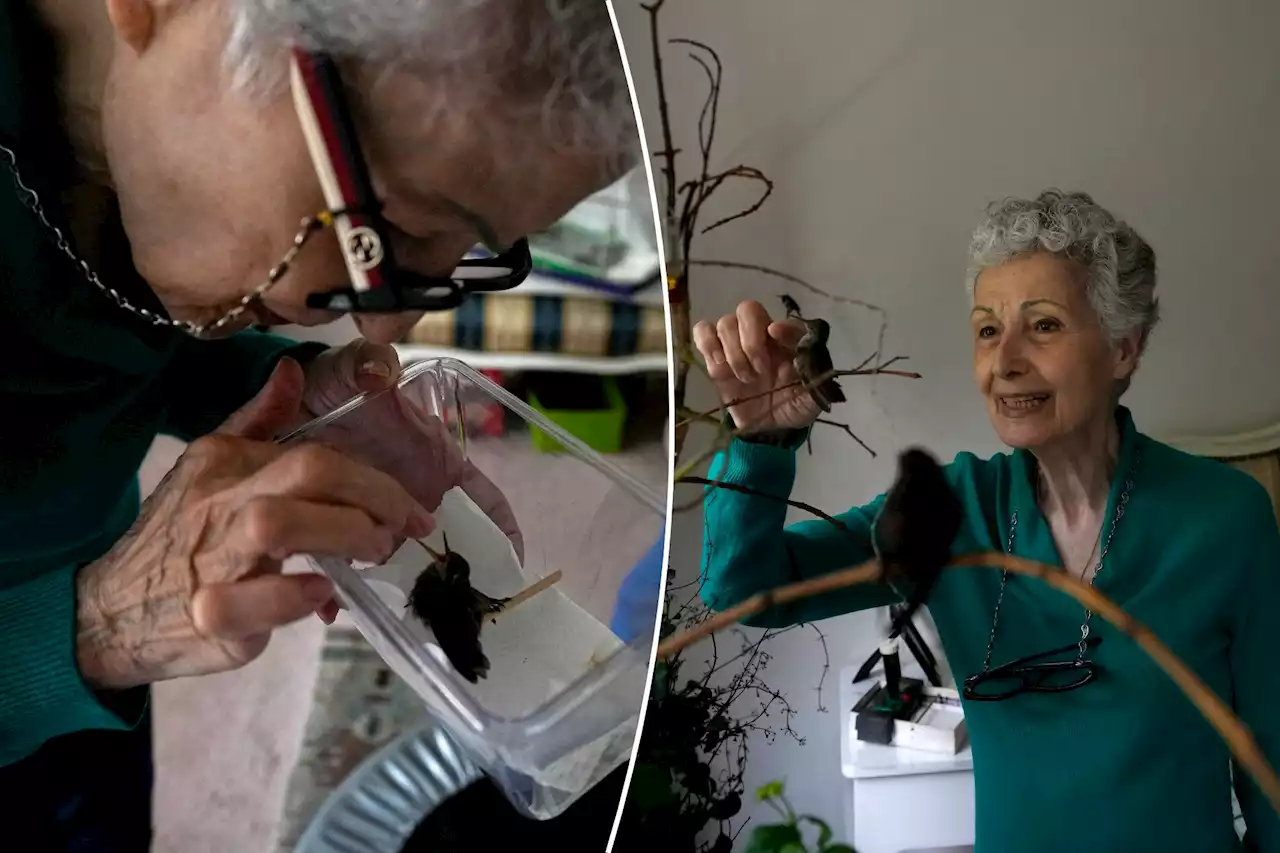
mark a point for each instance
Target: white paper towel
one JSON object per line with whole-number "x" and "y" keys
{"x": 535, "y": 649}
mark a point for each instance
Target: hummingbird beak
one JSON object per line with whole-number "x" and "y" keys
{"x": 436, "y": 555}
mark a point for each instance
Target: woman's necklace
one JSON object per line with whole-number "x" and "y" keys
{"x": 1088, "y": 614}
{"x": 310, "y": 226}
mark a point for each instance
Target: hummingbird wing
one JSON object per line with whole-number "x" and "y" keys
{"x": 459, "y": 639}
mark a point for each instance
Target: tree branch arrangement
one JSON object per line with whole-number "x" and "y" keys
{"x": 683, "y": 204}
{"x": 688, "y": 784}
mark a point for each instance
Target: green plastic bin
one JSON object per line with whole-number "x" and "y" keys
{"x": 599, "y": 429}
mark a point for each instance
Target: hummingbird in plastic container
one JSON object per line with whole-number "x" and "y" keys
{"x": 915, "y": 528}
{"x": 444, "y": 600}
{"x": 813, "y": 359}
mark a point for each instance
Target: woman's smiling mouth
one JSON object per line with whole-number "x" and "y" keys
{"x": 1019, "y": 405}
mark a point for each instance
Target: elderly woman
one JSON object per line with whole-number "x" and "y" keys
{"x": 157, "y": 159}
{"x": 1063, "y": 302}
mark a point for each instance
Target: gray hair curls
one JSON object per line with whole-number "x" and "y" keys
{"x": 545, "y": 65}
{"x": 1120, "y": 265}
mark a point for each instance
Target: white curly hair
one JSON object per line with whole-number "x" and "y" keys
{"x": 525, "y": 67}
{"x": 1120, "y": 265}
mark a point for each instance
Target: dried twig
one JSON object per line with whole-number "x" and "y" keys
{"x": 747, "y": 490}
{"x": 826, "y": 665}
{"x": 786, "y": 276}
{"x": 812, "y": 288}
{"x": 817, "y": 380}
{"x": 668, "y": 152}
{"x": 713, "y": 182}
{"x": 850, "y": 432}
{"x": 682, "y": 472}
{"x": 1239, "y": 740}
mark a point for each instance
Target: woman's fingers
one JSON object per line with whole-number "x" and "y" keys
{"x": 279, "y": 527}
{"x": 493, "y": 503}
{"x": 328, "y": 612}
{"x": 731, "y": 342}
{"x": 314, "y": 472}
{"x": 257, "y": 606}
{"x": 707, "y": 341}
{"x": 739, "y": 345}
{"x": 753, "y": 323}
{"x": 787, "y": 334}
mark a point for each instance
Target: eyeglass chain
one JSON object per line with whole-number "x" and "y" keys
{"x": 1088, "y": 614}
{"x": 309, "y": 226}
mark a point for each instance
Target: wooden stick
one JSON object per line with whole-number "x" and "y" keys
{"x": 1239, "y": 740}
{"x": 865, "y": 573}
{"x": 530, "y": 591}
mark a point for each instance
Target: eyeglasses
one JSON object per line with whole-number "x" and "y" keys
{"x": 1025, "y": 675}
{"x": 378, "y": 284}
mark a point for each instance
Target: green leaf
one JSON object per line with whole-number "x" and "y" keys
{"x": 793, "y": 848}
{"x": 651, "y": 787}
{"x": 773, "y": 839}
{"x": 769, "y": 791}
{"x": 824, "y": 831}
{"x": 837, "y": 848}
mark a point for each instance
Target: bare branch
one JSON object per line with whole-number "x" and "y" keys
{"x": 850, "y": 433}
{"x": 818, "y": 380}
{"x": 664, "y": 111}
{"x": 826, "y": 665}
{"x": 749, "y": 172}
{"x": 786, "y": 276}
{"x": 809, "y": 508}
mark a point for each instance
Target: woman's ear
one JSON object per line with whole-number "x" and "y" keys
{"x": 134, "y": 22}
{"x": 1126, "y": 353}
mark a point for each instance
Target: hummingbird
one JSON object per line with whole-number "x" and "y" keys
{"x": 913, "y": 532}
{"x": 812, "y": 358}
{"x": 444, "y": 600}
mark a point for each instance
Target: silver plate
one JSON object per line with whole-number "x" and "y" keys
{"x": 378, "y": 806}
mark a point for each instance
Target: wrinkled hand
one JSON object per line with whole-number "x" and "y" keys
{"x": 747, "y": 354}
{"x": 195, "y": 586}
{"x": 396, "y": 433}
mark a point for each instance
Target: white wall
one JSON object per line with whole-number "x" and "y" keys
{"x": 889, "y": 124}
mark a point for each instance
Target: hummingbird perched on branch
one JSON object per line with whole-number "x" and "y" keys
{"x": 813, "y": 359}
{"x": 915, "y": 528}
{"x": 444, "y": 600}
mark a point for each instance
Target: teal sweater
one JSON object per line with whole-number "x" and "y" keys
{"x": 1122, "y": 765}
{"x": 84, "y": 390}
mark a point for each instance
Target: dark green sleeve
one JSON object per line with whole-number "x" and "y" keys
{"x": 206, "y": 381}
{"x": 1255, "y": 679}
{"x": 42, "y": 694}
{"x": 747, "y": 548}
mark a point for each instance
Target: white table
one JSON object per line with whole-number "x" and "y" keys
{"x": 901, "y": 800}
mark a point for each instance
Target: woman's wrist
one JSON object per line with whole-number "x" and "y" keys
{"x": 786, "y": 437}
{"x": 103, "y": 647}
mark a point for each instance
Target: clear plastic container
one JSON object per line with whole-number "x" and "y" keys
{"x": 560, "y": 706}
